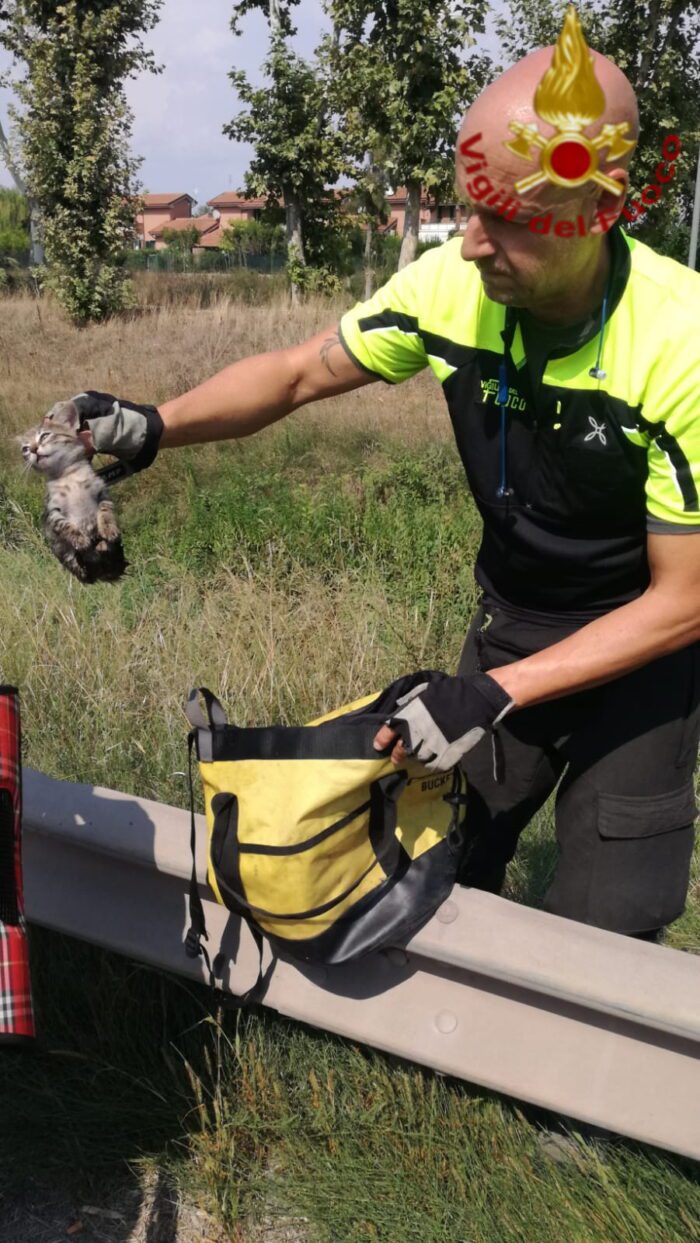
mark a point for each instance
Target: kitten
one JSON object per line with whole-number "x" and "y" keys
{"x": 79, "y": 521}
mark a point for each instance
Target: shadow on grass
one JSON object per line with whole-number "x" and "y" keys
{"x": 105, "y": 1097}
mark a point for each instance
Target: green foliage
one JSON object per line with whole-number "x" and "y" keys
{"x": 656, "y": 43}
{"x": 181, "y": 240}
{"x": 74, "y": 128}
{"x": 245, "y": 238}
{"x": 297, "y": 149}
{"x": 179, "y": 245}
{"x": 14, "y": 243}
{"x": 14, "y": 228}
{"x": 399, "y": 81}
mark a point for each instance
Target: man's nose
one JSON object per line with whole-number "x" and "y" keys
{"x": 476, "y": 243}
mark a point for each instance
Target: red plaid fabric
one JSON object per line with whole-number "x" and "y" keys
{"x": 16, "y": 1014}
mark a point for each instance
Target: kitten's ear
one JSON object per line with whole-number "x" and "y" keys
{"x": 66, "y": 413}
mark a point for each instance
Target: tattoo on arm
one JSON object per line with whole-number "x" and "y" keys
{"x": 325, "y": 350}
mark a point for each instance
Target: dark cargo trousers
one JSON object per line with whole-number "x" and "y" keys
{"x": 625, "y": 809}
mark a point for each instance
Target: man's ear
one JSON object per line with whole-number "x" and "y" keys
{"x": 609, "y": 206}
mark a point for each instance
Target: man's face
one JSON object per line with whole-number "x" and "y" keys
{"x": 519, "y": 267}
{"x": 530, "y": 247}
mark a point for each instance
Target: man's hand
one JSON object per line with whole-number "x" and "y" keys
{"x": 121, "y": 428}
{"x": 438, "y": 722}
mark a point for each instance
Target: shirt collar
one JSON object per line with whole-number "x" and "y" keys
{"x": 566, "y": 339}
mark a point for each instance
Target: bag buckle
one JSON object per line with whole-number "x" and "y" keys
{"x": 193, "y": 944}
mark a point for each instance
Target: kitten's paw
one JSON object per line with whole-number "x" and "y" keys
{"x": 107, "y": 527}
{"x": 71, "y": 563}
{"x": 76, "y": 537}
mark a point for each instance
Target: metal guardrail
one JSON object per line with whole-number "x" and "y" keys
{"x": 587, "y": 1023}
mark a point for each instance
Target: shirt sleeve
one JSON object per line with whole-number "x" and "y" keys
{"x": 671, "y": 421}
{"x": 382, "y": 336}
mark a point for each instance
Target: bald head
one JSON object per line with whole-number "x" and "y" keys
{"x": 511, "y": 99}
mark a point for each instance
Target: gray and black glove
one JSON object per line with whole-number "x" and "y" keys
{"x": 440, "y": 721}
{"x": 121, "y": 428}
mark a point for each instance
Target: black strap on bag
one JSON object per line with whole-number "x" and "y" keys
{"x": 197, "y": 931}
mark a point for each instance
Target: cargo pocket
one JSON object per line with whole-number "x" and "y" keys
{"x": 641, "y": 865}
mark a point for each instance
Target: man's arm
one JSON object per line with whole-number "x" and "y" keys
{"x": 259, "y": 390}
{"x": 664, "y": 618}
{"x": 454, "y": 715}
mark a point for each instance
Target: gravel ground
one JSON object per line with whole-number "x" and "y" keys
{"x": 150, "y": 1213}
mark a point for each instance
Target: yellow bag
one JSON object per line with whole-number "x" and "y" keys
{"x": 315, "y": 838}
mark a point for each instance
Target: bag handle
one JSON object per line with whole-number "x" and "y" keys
{"x": 216, "y": 713}
{"x": 261, "y": 913}
{"x": 387, "y": 850}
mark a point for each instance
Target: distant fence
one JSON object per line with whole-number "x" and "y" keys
{"x": 202, "y": 261}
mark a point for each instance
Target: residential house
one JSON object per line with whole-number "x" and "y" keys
{"x": 438, "y": 221}
{"x": 174, "y": 211}
{"x": 208, "y": 228}
{"x": 231, "y": 207}
{"x": 159, "y": 210}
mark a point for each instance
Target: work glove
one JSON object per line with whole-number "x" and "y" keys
{"x": 440, "y": 721}
{"x": 121, "y": 428}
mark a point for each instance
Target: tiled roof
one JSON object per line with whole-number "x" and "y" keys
{"x": 211, "y": 238}
{"x": 233, "y": 198}
{"x": 201, "y": 223}
{"x": 164, "y": 200}
{"x": 400, "y": 197}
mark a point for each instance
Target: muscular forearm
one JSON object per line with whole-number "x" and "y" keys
{"x": 655, "y": 624}
{"x": 240, "y": 400}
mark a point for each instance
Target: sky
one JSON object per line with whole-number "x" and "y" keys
{"x": 179, "y": 114}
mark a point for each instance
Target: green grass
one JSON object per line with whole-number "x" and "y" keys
{"x": 292, "y": 572}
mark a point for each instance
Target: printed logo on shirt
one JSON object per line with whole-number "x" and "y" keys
{"x": 598, "y": 432}
{"x": 489, "y": 393}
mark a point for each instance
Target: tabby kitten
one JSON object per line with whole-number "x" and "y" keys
{"x": 79, "y": 521}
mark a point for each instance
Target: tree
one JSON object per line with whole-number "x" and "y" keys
{"x": 73, "y": 127}
{"x": 252, "y": 237}
{"x": 14, "y": 226}
{"x": 36, "y": 250}
{"x": 297, "y": 151}
{"x": 367, "y": 202}
{"x": 398, "y": 70}
{"x": 180, "y": 243}
{"x": 656, "y": 43}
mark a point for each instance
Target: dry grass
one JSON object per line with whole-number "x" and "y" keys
{"x": 152, "y": 357}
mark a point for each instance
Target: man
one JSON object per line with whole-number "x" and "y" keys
{"x": 570, "y": 366}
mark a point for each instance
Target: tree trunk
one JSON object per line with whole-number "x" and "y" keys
{"x": 273, "y": 16}
{"x": 411, "y": 224}
{"x": 673, "y": 20}
{"x": 36, "y": 253}
{"x": 649, "y": 56}
{"x": 36, "y": 250}
{"x": 368, "y": 257}
{"x": 295, "y": 239}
